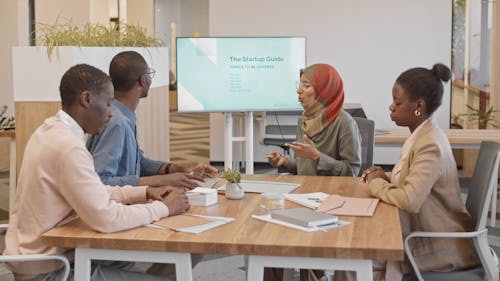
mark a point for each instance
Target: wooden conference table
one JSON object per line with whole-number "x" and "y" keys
{"x": 351, "y": 247}
{"x": 459, "y": 138}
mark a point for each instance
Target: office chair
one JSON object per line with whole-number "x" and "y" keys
{"x": 484, "y": 181}
{"x": 467, "y": 183}
{"x": 40, "y": 257}
{"x": 367, "y": 130}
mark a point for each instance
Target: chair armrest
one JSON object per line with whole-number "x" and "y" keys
{"x": 40, "y": 257}
{"x": 425, "y": 234}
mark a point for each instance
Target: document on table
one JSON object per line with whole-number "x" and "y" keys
{"x": 310, "y": 200}
{"x": 191, "y": 223}
{"x": 348, "y": 206}
{"x": 254, "y": 186}
{"x": 268, "y": 218}
{"x": 335, "y": 204}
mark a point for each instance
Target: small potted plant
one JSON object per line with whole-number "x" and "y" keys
{"x": 6, "y": 123}
{"x": 233, "y": 188}
{"x": 484, "y": 117}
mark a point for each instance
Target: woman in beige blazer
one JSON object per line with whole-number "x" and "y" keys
{"x": 424, "y": 182}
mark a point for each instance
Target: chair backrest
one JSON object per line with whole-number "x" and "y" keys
{"x": 367, "y": 130}
{"x": 484, "y": 180}
{"x": 279, "y": 127}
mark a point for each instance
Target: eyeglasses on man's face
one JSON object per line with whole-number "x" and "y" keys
{"x": 151, "y": 73}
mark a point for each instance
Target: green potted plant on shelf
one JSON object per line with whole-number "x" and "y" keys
{"x": 6, "y": 123}
{"x": 484, "y": 118}
{"x": 233, "y": 188}
{"x": 456, "y": 119}
{"x": 63, "y": 44}
{"x": 66, "y": 33}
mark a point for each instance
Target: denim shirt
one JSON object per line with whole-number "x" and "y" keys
{"x": 118, "y": 159}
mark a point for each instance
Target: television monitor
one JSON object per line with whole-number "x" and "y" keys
{"x": 235, "y": 74}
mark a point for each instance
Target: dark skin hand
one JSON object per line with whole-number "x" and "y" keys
{"x": 176, "y": 201}
{"x": 373, "y": 173}
{"x": 179, "y": 180}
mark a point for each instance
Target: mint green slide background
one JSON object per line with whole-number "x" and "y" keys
{"x": 226, "y": 86}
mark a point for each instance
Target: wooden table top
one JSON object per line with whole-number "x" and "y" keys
{"x": 7, "y": 133}
{"x": 377, "y": 237}
{"x": 455, "y": 136}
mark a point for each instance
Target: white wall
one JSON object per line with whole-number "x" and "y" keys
{"x": 14, "y": 22}
{"x": 141, "y": 12}
{"x": 369, "y": 42}
{"x": 46, "y": 11}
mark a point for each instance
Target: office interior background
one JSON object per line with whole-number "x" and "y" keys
{"x": 369, "y": 42}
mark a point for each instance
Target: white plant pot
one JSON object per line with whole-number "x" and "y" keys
{"x": 234, "y": 191}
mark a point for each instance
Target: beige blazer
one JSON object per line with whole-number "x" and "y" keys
{"x": 428, "y": 195}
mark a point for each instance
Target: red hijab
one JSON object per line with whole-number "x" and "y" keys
{"x": 329, "y": 90}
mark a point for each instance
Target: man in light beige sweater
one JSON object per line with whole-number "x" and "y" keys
{"x": 58, "y": 183}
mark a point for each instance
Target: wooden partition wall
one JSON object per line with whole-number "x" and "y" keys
{"x": 30, "y": 115}
{"x": 152, "y": 123}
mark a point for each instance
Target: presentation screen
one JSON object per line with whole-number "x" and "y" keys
{"x": 230, "y": 74}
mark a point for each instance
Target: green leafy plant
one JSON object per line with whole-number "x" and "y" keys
{"x": 456, "y": 119}
{"x": 484, "y": 117}
{"x": 6, "y": 123}
{"x": 232, "y": 176}
{"x": 65, "y": 33}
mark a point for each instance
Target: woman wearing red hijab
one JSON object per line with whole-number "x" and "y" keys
{"x": 328, "y": 142}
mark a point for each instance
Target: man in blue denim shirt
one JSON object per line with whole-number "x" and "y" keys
{"x": 118, "y": 159}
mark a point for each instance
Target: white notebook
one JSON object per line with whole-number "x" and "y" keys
{"x": 304, "y": 217}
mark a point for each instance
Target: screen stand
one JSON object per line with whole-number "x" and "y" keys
{"x": 229, "y": 139}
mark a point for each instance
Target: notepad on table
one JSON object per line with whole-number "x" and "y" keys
{"x": 191, "y": 223}
{"x": 310, "y": 200}
{"x": 304, "y": 217}
{"x": 181, "y": 221}
{"x": 348, "y": 206}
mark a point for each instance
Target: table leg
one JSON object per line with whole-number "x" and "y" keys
{"x": 255, "y": 268}
{"x": 82, "y": 264}
{"x": 84, "y": 256}
{"x": 183, "y": 267}
{"x": 256, "y": 264}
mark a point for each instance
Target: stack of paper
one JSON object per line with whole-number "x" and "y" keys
{"x": 268, "y": 218}
{"x": 202, "y": 196}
